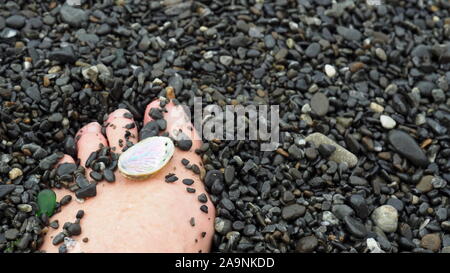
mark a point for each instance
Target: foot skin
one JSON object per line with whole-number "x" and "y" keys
{"x": 139, "y": 216}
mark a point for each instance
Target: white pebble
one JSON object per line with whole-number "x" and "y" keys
{"x": 330, "y": 70}
{"x": 306, "y": 108}
{"x": 386, "y": 218}
{"x": 387, "y": 122}
{"x": 14, "y": 173}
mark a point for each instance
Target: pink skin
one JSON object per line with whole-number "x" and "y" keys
{"x": 139, "y": 216}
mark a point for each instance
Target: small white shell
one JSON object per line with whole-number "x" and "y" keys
{"x": 146, "y": 157}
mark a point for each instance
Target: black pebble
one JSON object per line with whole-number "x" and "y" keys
{"x": 88, "y": 191}
{"x": 188, "y": 181}
{"x": 96, "y": 176}
{"x": 184, "y": 144}
{"x": 170, "y": 178}
{"x": 204, "y": 208}
{"x": 190, "y": 190}
{"x": 202, "y": 198}
{"x": 65, "y": 200}
{"x": 184, "y": 161}
{"x": 80, "y": 214}
{"x": 109, "y": 175}
{"x": 74, "y": 229}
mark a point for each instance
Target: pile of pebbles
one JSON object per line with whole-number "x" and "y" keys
{"x": 363, "y": 161}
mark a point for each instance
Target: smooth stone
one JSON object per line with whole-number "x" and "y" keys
{"x": 329, "y": 217}
{"x": 340, "y": 155}
{"x": 386, "y": 218}
{"x": 74, "y": 229}
{"x": 88, "y": 191}
{"x": 307, "y": 244}
{"x": 396, "y": 203}
{"x": 66, "y": 168}
{"x": 14, "y": 173}
{"x": 350, "y": 34}
{"x": 376, "y": 107}
{"x": 359, "y": 204}
{"x": 15, "y": 21}
{"x": 34, "y": 93}
{"x": 387, "y": 122}
{"x": 320, "y": 104}
{"x": 407, "y": 147}
{"x": 431, "y": 241}
{"x": 326, "y": 150}
{"x": 11, "y": 234}
{"x": 222, "y": 226}
{"x": 73, "y": 16}
{"x": 358, "y": 181}
{"x": 6, "y": 189}
{"x": 63, "y": 55}
{"x": 424, "y": 184}
{"x": 225, "y": 60}
{"x": 355, "y": 227}
{"x": 229, "y": 174}
{"x": 312, "y": 50}
{"x": 341, "y": 211}
{"x": 330, "y": 71}
{"x": 293, "y": 212}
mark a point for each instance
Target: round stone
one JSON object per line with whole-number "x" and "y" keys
{"x": 387, "y": 122}
{"x": 146, "y": 157}
{"x": 386, "y": 218}
{"x": 330, "y": 70}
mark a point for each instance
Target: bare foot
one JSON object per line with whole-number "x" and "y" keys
{"x": 139, "y": 216}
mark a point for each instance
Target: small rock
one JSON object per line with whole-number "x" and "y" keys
{"x": 292, "y": 212}
{"x": 376, "y": 107}
{"x": 73, "y": 16}
{"x": 330, "y": 71}
{"x": 431, "y": 241}
{"x": 355, "y": 227}
{"x": 387, "y": 122}
{"x": 320, "y": 104}
{"x": 340, "y": 155}
{"x": 407, "y": 147}
{"x": 307, "y": 244}
{"x": 424, "y": 184}
{"x": 14, "y": 173}
{"x": 386, "y": 218}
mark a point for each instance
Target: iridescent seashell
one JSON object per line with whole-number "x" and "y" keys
{"x": 146, "y": 157}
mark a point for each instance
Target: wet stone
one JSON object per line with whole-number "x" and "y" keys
{"x": 109, "y": 175}
{"x": 97, "y": 176}
{"x": 307, "y": 244}
{"x": 203, "y": 198}
{"x": 65, "y": 200}
{"x": 188, "y": 181}
{"x": 15, "y": 21}
{"x": 340, "y": 155}
{"x": 312, "y": 50}
{"x": 407, "y": 147}
{"x": 66, "y": 168}
{"x": 326, "y": 150}
{"x": 320, "y": 104}
{"x": 204, "y": 208}
{"x": 355, "y": 227}
{"x": 359, "y": 204}
{"x": 88, "y": 191}
{"x": 431, "y": 241}
{"x": 184, "y": 144}
{"x": 386, "y": 218}
{"x": 11, "y": 234}
{"x": 74, "y": 229}
{"x": 293, "y": 212}
{"x": 73, "y": 16}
